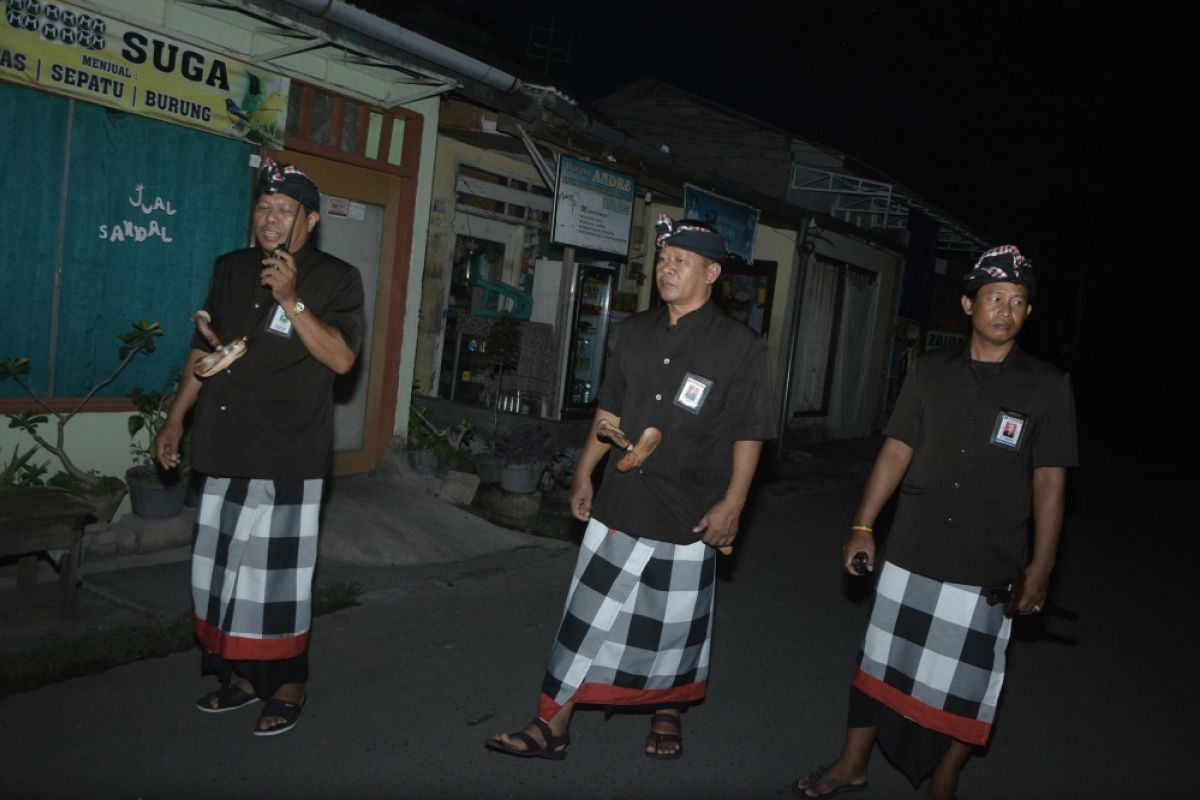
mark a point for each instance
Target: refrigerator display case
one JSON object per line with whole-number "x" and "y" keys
{"x": 594, "y": 322}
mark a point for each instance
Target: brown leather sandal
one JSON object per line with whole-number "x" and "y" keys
{"x": 554, "y": 749}
{"x": 656, "y": 740}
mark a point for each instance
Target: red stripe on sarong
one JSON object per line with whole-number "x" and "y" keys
{"x": 605, "y": 694}
{"x": 244, "y": 648}
{"x": 971, "y": 731}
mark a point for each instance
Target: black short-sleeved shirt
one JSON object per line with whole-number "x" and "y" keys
{"x": 270, "y": 415}
{"x": 966, "y": 500}
{"x": 704, "y": 383}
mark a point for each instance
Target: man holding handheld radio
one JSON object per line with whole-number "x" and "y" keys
{"x": 263, "y": 438}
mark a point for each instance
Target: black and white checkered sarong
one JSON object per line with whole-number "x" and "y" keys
{"x": 934, "y": 652}
{"x": 252, "y": 566}
{"x": 637, "y": 624}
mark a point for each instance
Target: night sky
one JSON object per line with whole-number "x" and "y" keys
{"x": 1059, "y": 127}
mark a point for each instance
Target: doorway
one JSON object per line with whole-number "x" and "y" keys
{"x": 360, "y": 212}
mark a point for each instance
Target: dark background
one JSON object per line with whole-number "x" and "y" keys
{"x": 1060, "y": 127}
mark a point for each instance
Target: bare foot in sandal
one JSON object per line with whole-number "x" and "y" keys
{"x": 291, "y": 693}
{"x": 537, "y": 740}
{"x": 666, "y": 735}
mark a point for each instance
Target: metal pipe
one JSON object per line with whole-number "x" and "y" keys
{"x": 388, "y": 32}
{"x": 793, "y": 337}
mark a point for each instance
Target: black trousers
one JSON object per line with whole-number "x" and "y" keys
{"x": 913, "y": 750}
{"x": 265, "y": 676}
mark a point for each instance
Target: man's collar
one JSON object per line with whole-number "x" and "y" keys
{"x": 691, "y": 317}
{"x": 1014, "y": 358}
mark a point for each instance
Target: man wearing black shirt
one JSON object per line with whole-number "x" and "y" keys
{"x": 263, "y": 438}
{"x": 639, "y": 613}
{"x": 978, "y": 444}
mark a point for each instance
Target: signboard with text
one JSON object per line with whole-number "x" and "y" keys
{"x": 940, "y": 340}
{"x": 63, "y": 49}
{"x": 593, "y": 207}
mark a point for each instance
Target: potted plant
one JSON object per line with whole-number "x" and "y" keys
{"x": 431, "y": 448}
{"x": 523, "y": 451}
{"x": 154, "y": 492}
{"x": 418, "y": 444}
{"x": 19, "y": 473}
{"x": 103, "y": 492}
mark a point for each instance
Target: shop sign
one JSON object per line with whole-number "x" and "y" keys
{"x": 940, "y": 340}
{"x": 736, "y": 222}
{"x": 593, "y": 207}
{"x": 65, "y": 50}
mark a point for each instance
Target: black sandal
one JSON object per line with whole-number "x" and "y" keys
{"x": 287, "y": 710}
{"x": 229, "y": 698}
{"x": 554, "y": 749}
{"x": 656, "y": 740}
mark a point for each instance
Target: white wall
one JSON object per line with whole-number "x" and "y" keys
{"x": 416, "y": 265}
{"x": 97, "y": 442}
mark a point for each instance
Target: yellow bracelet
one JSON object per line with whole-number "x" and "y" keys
{"x": 863, "y": 529}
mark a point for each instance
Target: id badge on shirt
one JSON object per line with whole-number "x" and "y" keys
{"x": 1009, "y": 429}
{"x": 279, "y": 323}
{"x": 693, "y": 391}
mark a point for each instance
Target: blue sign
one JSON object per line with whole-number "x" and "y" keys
{"x": 736, "y": 222}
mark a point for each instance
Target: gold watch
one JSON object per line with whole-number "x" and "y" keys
{"x": 296, "y": 310}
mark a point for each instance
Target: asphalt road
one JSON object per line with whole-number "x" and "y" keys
{"x": 406, "y": 687}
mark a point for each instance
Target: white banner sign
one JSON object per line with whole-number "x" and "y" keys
{"x": 593, "y": 207}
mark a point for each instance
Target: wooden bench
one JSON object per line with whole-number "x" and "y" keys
{"x": 38, "y": 519}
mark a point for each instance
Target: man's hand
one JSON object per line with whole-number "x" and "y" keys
{"x": 720, "y": 524}
{"x": 581, "y": 498}
{"x": 1029, "y": 591}
{"x": 858, "y": 542}
{"x": 166, "y": 444}
{"x": 279, "y": 272}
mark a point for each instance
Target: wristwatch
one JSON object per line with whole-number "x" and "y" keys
{"x": 296, "y": 309}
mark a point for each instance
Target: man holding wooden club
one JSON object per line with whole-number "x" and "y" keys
{"x": 687, "y": 394}
{"x": 978, "y": 444}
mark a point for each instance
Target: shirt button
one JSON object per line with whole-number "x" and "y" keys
{"x": 666, "y": 361}
{"x": 963, "y": 451}
{"x": 658, "y": 397}
{"x": 956, "y": 484}
{"x": 222, "y": 408}
{"x": 950, "y": 520}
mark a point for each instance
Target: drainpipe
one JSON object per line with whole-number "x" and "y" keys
{"x": 793, "y": 337}
{"x": 388, "y": 32}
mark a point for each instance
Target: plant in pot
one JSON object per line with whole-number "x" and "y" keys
{"x": 103, "y": 492}
{"x": 524, "y": 451}
{"x": 430, "y": 447}
{"x": 418, "y": 444}
{"x": 154, "y": 492}
{"x": 19, "y": 473}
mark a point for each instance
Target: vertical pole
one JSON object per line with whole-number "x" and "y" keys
{"x": 562, "y": 336}
{"x": 793, "y": 337}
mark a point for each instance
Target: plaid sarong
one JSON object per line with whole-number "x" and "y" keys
{"x": 934, "y": 653}
{"x": 252, "y": 566}
{"x": 637, "y": 624}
